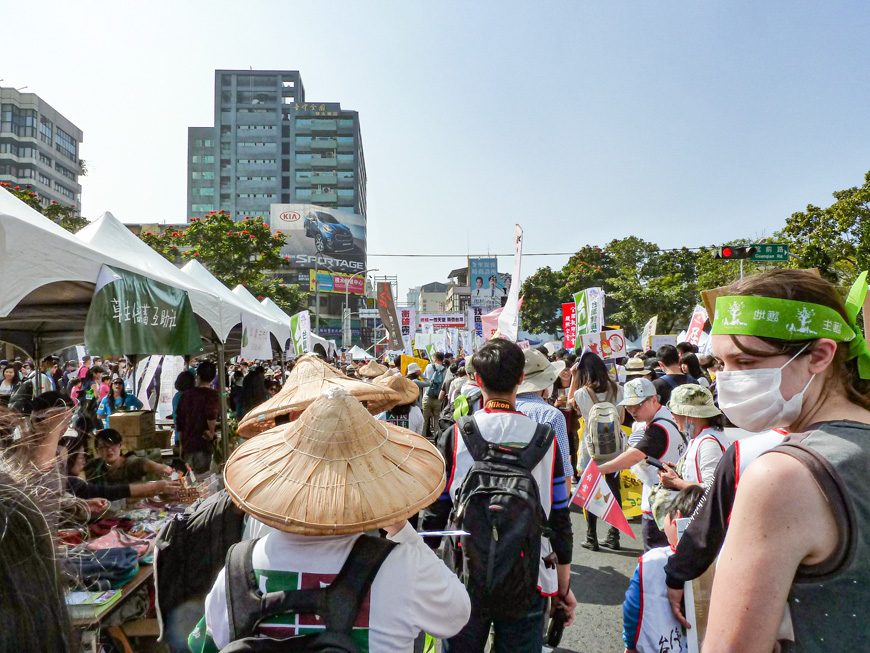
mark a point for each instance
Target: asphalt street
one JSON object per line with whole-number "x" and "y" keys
{"x": 599, "y": 581}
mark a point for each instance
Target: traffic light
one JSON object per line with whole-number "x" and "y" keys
{"x": 734, "y": 252}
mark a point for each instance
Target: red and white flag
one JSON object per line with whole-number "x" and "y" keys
{"x": 594, "y": 495}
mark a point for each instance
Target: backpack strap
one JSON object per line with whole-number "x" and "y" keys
{"x": 338, "y": 604}
{"x": 527, "y": 457}
{"x": 243, "y": 596}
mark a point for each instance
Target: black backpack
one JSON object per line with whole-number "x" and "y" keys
{"x": 499, "y": 504}
{"x": 337, "y": 605}
{"x": 192, "y": 548}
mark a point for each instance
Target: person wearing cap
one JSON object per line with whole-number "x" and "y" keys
{"x": 378, "y": 475}
{"x": 702, "y": 423}
{"x": 539, "y": 375}
{"x": 413, "y": 373}
{"x": 661, "y": 439}
{"x": 112, "y": 467}
{"x": 350, "y": 370}
{"x": 633, "y": 368}
{"x": 498, "y": 367}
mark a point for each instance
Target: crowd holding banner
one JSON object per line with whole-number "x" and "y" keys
{"x": 473, "y": 448}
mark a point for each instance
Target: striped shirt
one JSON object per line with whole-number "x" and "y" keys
{"x": 533, "y": 406}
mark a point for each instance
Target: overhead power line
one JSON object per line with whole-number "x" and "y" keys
{"x": 672, "y": 249}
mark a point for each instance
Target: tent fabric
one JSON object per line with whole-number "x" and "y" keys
{"x": 48, "y": 276}
{"x": 278, "y": 329}
{"x": 234, "y": 307}
{"x": 108, "y": 234}
{"x": 357, "y": 353}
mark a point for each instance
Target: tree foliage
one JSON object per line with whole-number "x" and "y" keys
{"x": 67, "y": 216}
{"x": 234, "y": 252}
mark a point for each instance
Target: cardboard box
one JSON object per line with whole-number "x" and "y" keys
{"x": 163, "y": 438}
{"x": 136, "y": 428}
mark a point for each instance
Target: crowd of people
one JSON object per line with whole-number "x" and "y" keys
{"x": 469, "y": 471}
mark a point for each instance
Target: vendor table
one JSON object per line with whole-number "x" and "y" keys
{"x": 144, "y": 575}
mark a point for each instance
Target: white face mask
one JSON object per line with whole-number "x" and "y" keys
{"x": 752, "y": 399}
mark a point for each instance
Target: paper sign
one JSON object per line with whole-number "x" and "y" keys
{"x": 606, "y": 344}
{"x": 569, "y": 324}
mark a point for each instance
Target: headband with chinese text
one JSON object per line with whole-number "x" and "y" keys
{"x": 788, "y": 319}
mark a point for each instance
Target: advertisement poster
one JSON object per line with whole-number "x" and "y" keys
{"x": 443, "y": 320}
{"x": 169, "y": 371}
{"x": 333, "y": 237}
{"x": 487, "y": 285}
{"x": 300, "y": 332}
{"x": 607, "y": 344}
{"x": 389, "y": 317}
{"x": 337, "y": 283}
{"x": 660, "y": 341}
{"x": 408, "y": 318}
{"x": 569, "y": 324}
{"x": 509, "y": 320}
{"x": 696, "y": 326}
{"x": 256, "y": 344}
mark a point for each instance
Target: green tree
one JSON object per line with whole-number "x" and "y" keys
{"x": 543, "y": 294}
{"x": 836, "y": 239}
{"x": 65, "y": 215}
{"x": 235, "y": 253}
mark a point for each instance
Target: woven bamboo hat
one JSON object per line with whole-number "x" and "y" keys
{"x": 335, "y": 470}
{"x": 407, "y": 390}
{"x": 371, "y": 369}
{"x": 308, "y": 380}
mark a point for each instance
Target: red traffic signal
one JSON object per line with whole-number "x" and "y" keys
{"x": 732, "y": 253}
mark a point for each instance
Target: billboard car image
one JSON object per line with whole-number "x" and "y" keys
{"x": 334, "y": 238}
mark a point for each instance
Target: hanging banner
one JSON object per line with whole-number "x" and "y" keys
{"x": 589, "y": 311}
{"x": 569, "y": 324}
{"x": 606, "y": 344}
{"x": 169, "y": 371}
{"x": 389, "y": 317}
{"x": 408, "y": 317}
{"x": 696, "y": 325}
{"x": 509, "y": 320}
{"x": 649, "y": 330}
{"x": 453, "y": 345}
{"x": 465, "y": 343}
{"x": 439, "y": 340}
{"x": 255, "y": 339}
{"x": 489, "y": 323}
{"x": 300, "y": 332}
{"x": 474, "y": 325}
{"x": 132, "y": 314}
{"x": 443, "y": 320}
{"x": 153, "y": 362}
{"x": 487, "y": 285}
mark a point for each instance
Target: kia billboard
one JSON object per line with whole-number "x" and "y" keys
{"x": 333, "y": 238}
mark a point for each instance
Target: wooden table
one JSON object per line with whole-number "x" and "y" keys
{"x": 144, "y": 575}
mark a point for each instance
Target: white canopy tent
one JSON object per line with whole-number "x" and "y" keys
{"x": 233, "y": 306}
{"x": 357, "y": 353}
{"x": 49, "y": 276}
{"x": 277, "y": 328}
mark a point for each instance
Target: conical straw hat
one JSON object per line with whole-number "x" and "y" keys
{"x": 335, "y": 470}
{"x": 371, "y": 369}
{"x": 309, "y": 379}
{"x": 408, "y": 390}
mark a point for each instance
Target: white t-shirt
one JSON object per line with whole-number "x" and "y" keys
{"x": 413, "y": 591}
{"x": 414, "y": 422}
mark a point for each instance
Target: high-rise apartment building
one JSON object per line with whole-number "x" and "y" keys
{"x": 39, "y": 147}
{"x": 270, "y": 145}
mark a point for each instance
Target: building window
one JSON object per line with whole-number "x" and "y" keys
{"x": 44, "y": 180}
{"x": 201, "y": 208}
{"x": 268, "y": 196}
{"x": 203, "y": 191}
{"x": 69, "y": 174}
{"x": 257, "y": 161}
{"x": 255, "y": 97}
{"x": 202, "y": 175}
{"x": 63, "y": 190}
{"x": 256, "y": 179}
{"x": 196, "y": 158}
{"x": 44, "y": 159}
{"x": 256, "y": 127}
{"x": 45, "y": 134}
{"x": 65, "y": 144}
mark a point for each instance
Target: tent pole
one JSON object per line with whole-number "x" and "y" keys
{"x": 222, "y": 391}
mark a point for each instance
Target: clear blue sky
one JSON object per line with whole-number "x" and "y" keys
{"x": 685, "y": 123}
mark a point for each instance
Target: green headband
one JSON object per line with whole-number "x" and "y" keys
{"x": 787, "y": 319}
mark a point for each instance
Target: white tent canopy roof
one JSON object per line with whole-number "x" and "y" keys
{"x": 233, "y": 306}
{"x": 278, "y": 329}
{"x": 109, "y": 234}
{"x": 357, "y": 353}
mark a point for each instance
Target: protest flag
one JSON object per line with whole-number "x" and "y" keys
{"x": 594, "y": 495}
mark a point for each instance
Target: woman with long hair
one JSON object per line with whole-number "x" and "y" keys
{"x": 117, "y": 401}
{"x": 795, "y": 359}
{"x": 690, "y": 365}
{"x": 594, "y": 385}
{"x": 254, "y": 391}
{"x": 8, "y": 382}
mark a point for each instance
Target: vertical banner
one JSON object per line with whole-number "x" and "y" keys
{"x": 453, "y": 341}
{"x": 649, "y": 330}
{"x": 487, "y": 286}
{"x": 589, "y": 311}
{"x": 255, "y": 339}
{"x": 696, "y": 326}
{"x": 466, "y": 340}
{"x": 171, "y": 368}
{"x": 147, "y": 377}
{"x": 509, "y": 320}
{"x": 389, "y": 317}
{"x": 474, "y": 325}
{"x": 408, "y": 317}
{"x": 569, "y": 324}
{"x": 300, "y": 332}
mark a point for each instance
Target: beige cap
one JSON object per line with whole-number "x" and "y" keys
{"x": 538, "y": 372}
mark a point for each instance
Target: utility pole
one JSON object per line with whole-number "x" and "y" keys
{"x": 345, "y": 314}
